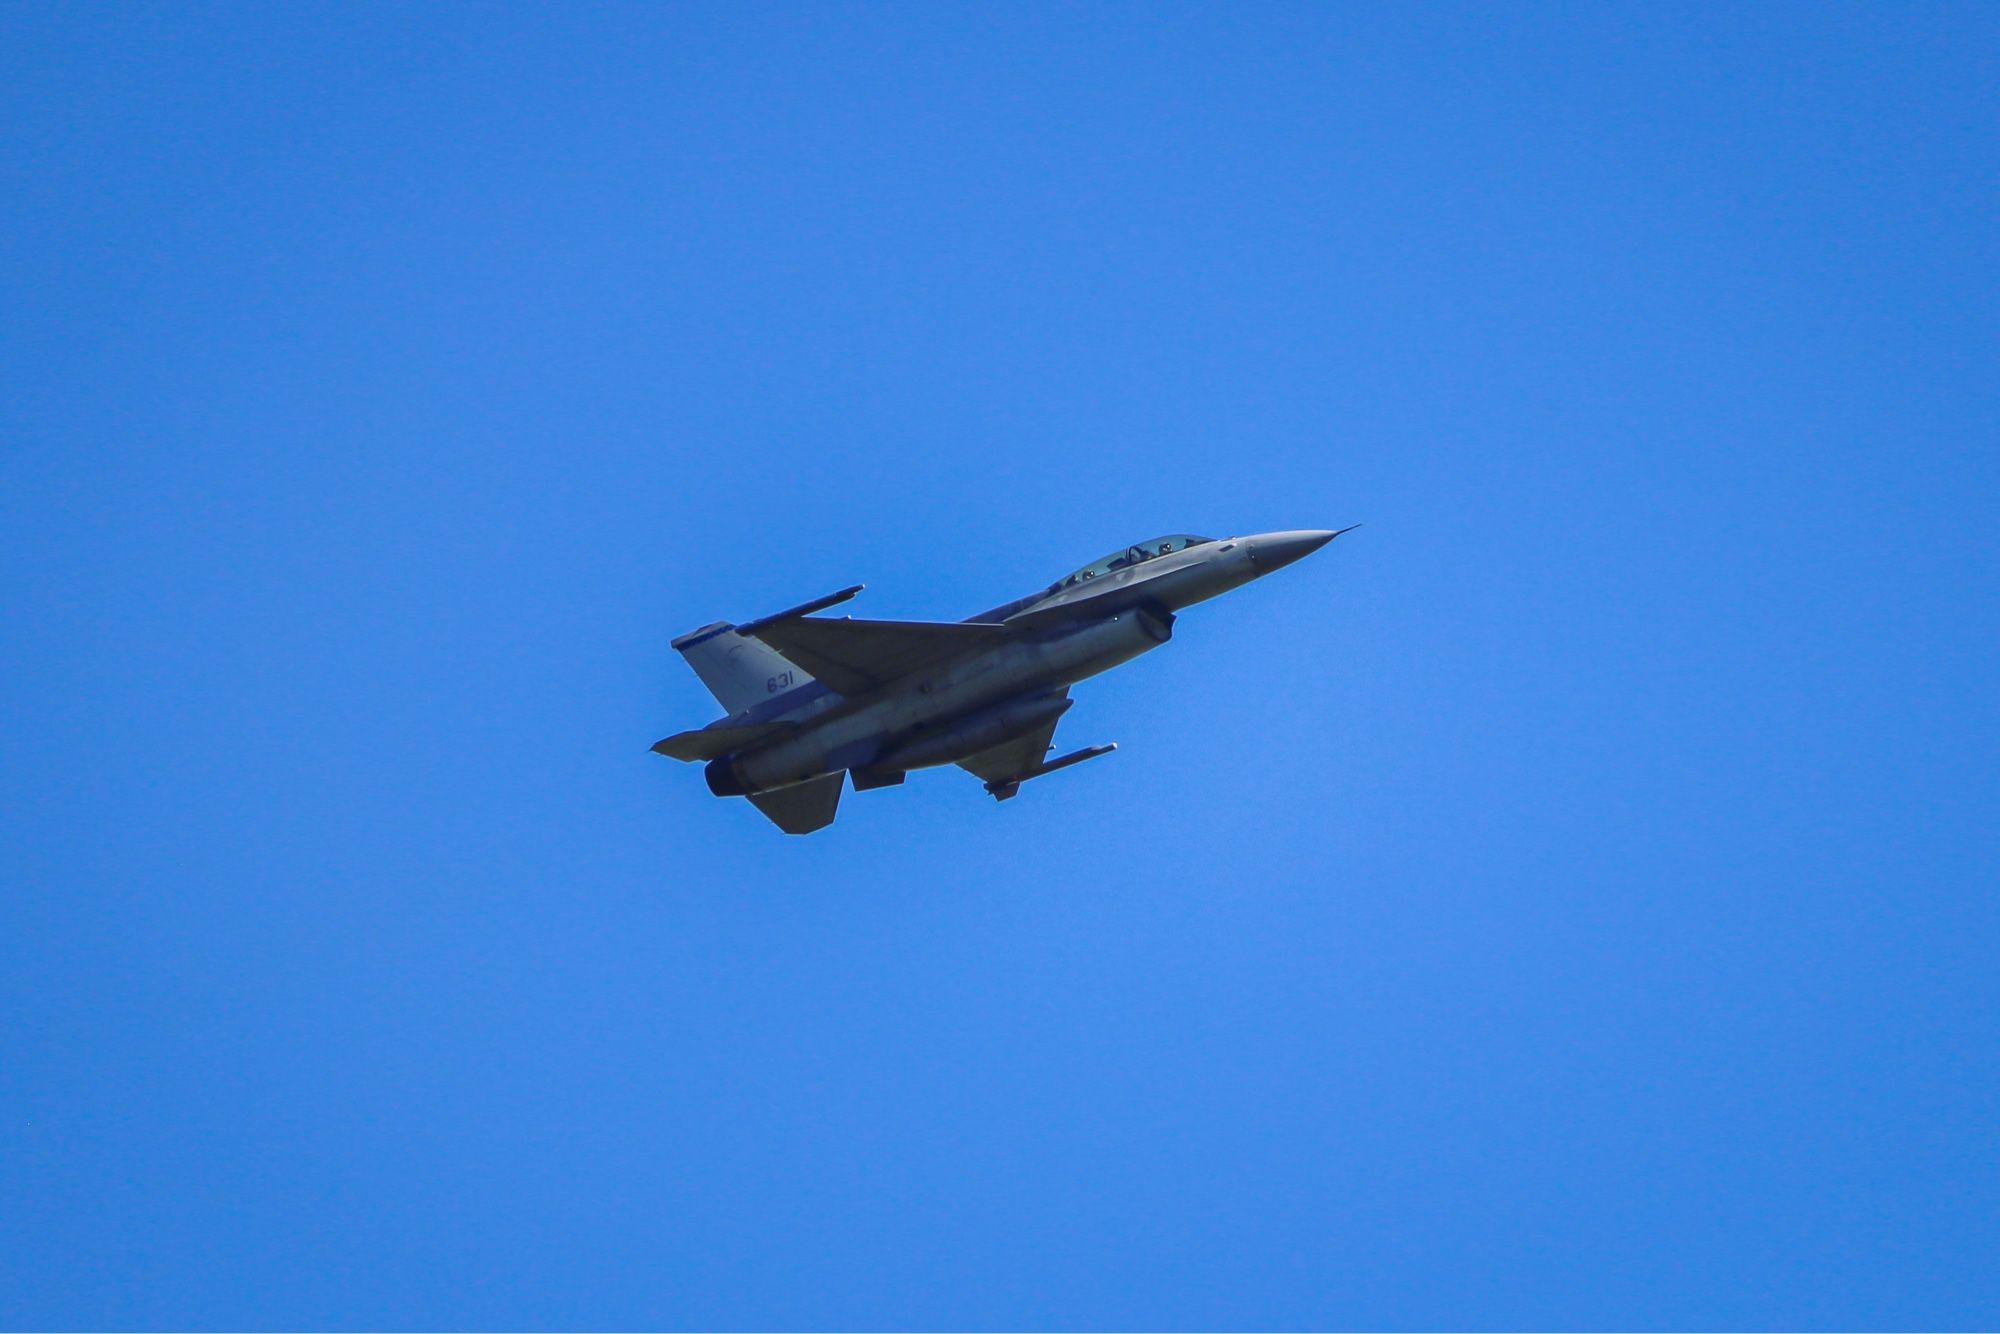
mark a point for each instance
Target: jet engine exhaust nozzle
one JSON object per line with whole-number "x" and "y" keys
{"x": 722, "y": 778}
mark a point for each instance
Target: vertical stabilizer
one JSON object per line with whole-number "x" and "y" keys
{"x": 738, "y": 671}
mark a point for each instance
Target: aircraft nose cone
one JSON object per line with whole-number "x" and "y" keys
{"x": 1273, "y": 551}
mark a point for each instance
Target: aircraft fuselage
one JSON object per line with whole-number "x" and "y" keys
{"x": 1090, "y": 623}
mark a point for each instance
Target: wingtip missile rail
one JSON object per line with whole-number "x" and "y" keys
{"x": 803, "y": 609}
{"x": 1003, "y": 790}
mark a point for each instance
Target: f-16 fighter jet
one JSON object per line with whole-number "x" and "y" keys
{"x": 815, "y": 700}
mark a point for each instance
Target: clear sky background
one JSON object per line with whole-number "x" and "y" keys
{"x": 1568, "y": 901}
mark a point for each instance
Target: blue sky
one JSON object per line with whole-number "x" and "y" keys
{"x": 1566, "y": 902}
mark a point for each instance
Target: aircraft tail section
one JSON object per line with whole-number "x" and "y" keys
{"x": 738, "y": 670}
{"x": 802, "y": 807}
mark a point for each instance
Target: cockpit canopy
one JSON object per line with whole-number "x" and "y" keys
{"x": 1132, "y": 555}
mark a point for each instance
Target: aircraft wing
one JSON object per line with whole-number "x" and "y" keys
{"x": 1013, "y": 759}
{"x": 854, "y": 657}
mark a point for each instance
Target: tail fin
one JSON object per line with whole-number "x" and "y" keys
{"x": 738, "y": 671}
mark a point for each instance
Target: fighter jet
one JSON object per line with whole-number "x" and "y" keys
{"x": 814, "y": 701}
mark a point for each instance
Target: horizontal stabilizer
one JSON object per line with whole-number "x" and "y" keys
{"x": 708, "y": 743}
{"x": 802, "y": 807}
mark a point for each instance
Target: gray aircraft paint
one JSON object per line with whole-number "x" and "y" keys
{"x": 984, "y": 694}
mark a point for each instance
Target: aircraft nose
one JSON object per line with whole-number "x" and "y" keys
{"x": 1273, "y": 551}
